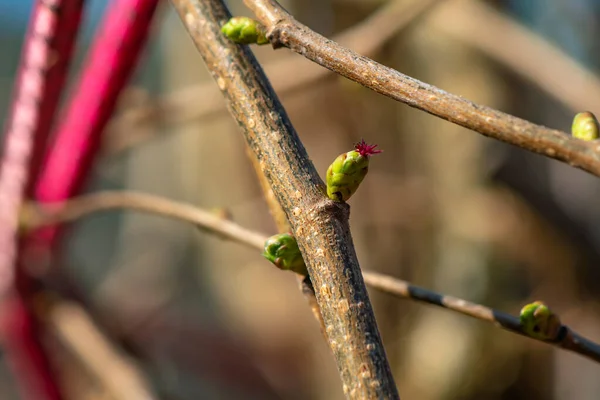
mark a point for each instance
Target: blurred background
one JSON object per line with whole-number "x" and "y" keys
{"x": 197, "y": 317}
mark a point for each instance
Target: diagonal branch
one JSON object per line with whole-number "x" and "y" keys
{"x": 284, "y": 30}
{"x": 319, "y": 224}
{"x": 50, "y": 214}
{"x": 204, "y": 100}
{"x": 283, "y": 226}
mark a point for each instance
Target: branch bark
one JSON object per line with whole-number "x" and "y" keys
{"x": 284, "y": 31}
{"x": 319, "y": 224}
{"x": 283, "y": 226}
{"x": 40, "y": 215}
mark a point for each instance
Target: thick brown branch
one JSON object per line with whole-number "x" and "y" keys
{"x": 284, "y": 30}
{"x": 319, "y": 224}
{"x": 283, "y": 226}
{"x": 43, "y": 215}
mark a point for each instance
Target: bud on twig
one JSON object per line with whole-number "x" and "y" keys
{"x": 25, "y": 218}
{"x": 348, "y": 170}
{"x": 538, "y": 321}
{"x": 282, "y": 250}
{"x": 244, "y": 30}
{"x": 585, "y": 126}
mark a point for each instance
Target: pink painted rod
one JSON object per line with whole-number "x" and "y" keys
{"x": 112, "y": 59}
{"x": 43, "y": 67}
{"x": 42, "y": 71}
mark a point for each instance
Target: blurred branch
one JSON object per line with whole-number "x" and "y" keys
{"x": 286, "y": 75}
{"x": 284, "y": 30}
{"x": 47, "y": 214}
{"x": 43, "y": 66}
{"x": 77, "y": 332}
{"x": 528, "y": 54}
{"x": 319, "y": 224}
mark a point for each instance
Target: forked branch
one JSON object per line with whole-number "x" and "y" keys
{"x": 319, "y": 224}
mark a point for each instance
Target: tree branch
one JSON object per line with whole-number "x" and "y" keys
{"x": 204, "y": 100}
{"x": 284, "y": 30}
{"x": 319, "y": 224}
{"x": 283, "y": 226}
{"x": 37, "y": 215}
{"x": 566, "y": 339}
{"x": 48, "y": 214}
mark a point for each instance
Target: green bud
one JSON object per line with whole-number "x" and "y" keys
{"x": 538, "y": 321}
{"x": 348, "y": 170}
{"x": 28, "y": 216}
{"x": 282, "y": 250}
{"x": 244, "y": 30}
{"x": 585, "y": 126}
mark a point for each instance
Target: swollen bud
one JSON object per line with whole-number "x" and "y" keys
{"x": 585, "y": 126}
{"x": 348, "y": 170}
{"x": 282, "y": 250}
{"x": 244, "y": 30}
{"x": 28, "y": 216}
{"x": 538, "y": 321}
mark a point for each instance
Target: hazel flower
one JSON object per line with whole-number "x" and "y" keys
{"x": 348, "y": 170}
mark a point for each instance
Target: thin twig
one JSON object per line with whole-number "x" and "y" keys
{"x": 529, "y": 55}
{"x": 566, "y": 339}
{"x": 48, "y": 214}
{"x": 319, "y": 224}
{"x": 204, "y": 100}
{"x": 284, "y": 30}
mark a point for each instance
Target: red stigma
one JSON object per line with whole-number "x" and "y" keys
{"x": 365, "y": 149}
